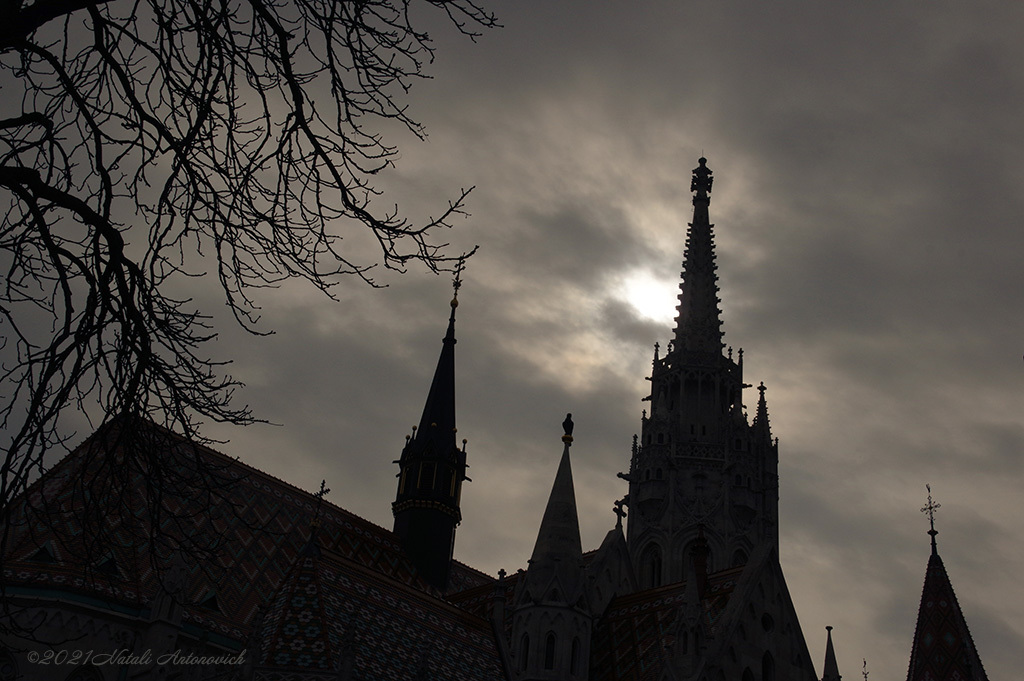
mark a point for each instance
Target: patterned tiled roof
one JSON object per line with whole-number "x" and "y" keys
{"x": 943, "y": 649}
{"x": 260, "y": 524}
{"x": 330, "y": 609}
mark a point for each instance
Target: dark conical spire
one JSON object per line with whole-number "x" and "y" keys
{"x": 698, "y": 324}
{"x": 437, "y": 424}
{"x": 432, "y": 469}
{"x": 830, "y": 671}
{"x": 557, "y": 556}
{"x": 943, "y": 649}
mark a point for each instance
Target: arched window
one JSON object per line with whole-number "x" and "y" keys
{"x": 739, "y": 557}
{"x": 524, "y": 651}
{"x": 574, "y": 657}
{"x": 549, "y": 651}
{"x": 767, "y": 667}
{"x": 650, "y": 566}
{"x": 748, "y": 675}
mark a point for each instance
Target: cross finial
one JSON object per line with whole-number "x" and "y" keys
{"x": 929, "y": 510}
{"x": 620, "y": 513}
{"x": 324, "y": 491}
{"x": 865, "y": 669}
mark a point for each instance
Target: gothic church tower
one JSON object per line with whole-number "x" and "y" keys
{"x": 700, "y": 467}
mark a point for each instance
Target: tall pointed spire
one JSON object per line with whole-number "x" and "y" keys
{"x": 699, "y": 324}
{"x": 943, "y": 649}
{"x": 558, "y": 552}
{"x": 830, "y": 671}
{"x": 432, "y": 469}
{"x": 551, "y": 610}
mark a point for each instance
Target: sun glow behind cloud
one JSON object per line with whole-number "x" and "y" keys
{"x": 651, "y": 297}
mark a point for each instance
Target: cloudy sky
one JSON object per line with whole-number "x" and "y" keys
{"x": 868, "y": 213}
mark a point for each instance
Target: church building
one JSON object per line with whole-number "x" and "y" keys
{"x": 687, "y": 586}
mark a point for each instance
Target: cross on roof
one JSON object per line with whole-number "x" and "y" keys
{"x": 619, "y": 512}
{"x": 324, "y": 491}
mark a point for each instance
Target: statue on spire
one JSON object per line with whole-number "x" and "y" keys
{"x": 702, "y": 179}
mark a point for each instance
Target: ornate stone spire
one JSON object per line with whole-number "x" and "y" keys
{"x": 943, "y": 649}
{"x": 761, "y": 425}
{"x": 698, "y": 324}
{"x": 831, "y": 668}
{"x": 432, "y": 469}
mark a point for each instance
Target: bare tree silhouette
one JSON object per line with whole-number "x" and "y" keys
{"x": 142, "y": 141}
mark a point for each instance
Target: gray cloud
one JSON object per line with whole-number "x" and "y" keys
{"x": 867, "y": 207}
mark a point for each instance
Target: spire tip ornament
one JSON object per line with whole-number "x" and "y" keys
{"x": 567, "y": 426}
{"x": 929, "y": 510}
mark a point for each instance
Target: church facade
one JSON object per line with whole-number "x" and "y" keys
{"x": 687, "y": 586}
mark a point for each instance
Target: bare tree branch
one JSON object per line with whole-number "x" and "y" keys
{"x": 144, "y": 141}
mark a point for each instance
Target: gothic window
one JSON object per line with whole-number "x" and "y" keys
{"x": 451, "y": 483}
{"x": 748, "y": 675}
{"x": 401, "y": 482}
{"x": 524, "y": 651}
{"x": 574, "y": 657}
{"x": 767, "y": 667}
{"x": 650, "y": 566}
{"x": 658, "y": 475}
{"x": 739, "y": 557}
{"x": 549, "y": 651}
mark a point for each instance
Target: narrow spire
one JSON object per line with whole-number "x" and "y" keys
{"x": 761, "y": 424}
{"x": 698, "y": 324}
{"x": 831, "y": 668}
{"x": 438, "y": 420}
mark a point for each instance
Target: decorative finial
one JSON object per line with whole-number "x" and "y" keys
{"x": 865, "y": 671}
{"x": 702, "y": 179}
{"x": 457, "y": 280}
{"x": 567, "y": 426}
{"x": 929, "y": 510}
